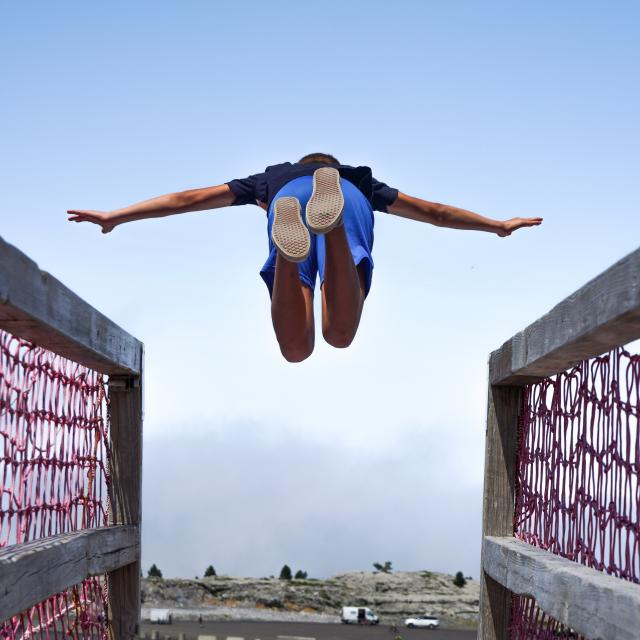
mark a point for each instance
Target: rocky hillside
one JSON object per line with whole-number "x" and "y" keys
{"x": 392, "y": 596}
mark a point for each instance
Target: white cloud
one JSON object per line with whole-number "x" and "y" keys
{"x": 248, "y": 497}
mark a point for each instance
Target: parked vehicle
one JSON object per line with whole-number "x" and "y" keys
{"x": 358, "y": 615}
{"x": 160, "y": 616}
{"x": 425, "y": 622}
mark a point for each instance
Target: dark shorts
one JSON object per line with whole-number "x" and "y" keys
{"x": 357, "y": 216}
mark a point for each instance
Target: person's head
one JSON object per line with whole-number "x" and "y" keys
{"x": 324, "y": 158}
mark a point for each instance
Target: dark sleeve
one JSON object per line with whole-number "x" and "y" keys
{"x": 245, "y": 189}
{"x": 382, "y": 196}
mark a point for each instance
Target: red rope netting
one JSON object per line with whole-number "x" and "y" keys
{"x": 577, "y": 485}
{"x": 53, "y": 475}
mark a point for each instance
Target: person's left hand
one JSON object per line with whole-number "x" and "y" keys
{"x": 102, "y": 218}
{"x": 509, "y": 226}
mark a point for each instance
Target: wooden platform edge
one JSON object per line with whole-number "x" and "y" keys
{"x": 591, "y": 602}
{"x": 601, "y": 315}
{"x": 34, "y": 571}
{"x": 37, "y": 307}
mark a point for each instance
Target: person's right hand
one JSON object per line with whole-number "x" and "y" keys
{"x": 103, "y": 218}
{"x": 509, "y": 226}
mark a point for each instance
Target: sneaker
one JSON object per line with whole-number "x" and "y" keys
{"x": 288, "y": 232}
{"x": 324, "y": 209}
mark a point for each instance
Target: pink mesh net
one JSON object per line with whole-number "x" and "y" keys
{"x": 53, "y": 475}
{"x": 577, "y": 485}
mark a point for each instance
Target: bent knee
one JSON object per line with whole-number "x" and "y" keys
{"x": 293, "y": 352}
{"x": 338, "y": 338}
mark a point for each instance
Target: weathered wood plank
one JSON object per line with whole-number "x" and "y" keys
{"x": 591, "y": 602}
{"x": 603, "y": 314}
{"x": 34, "y": 571}
{"x": 125, "y": 409}
{"x": 498, "y": 501}
{"x": 37, "y": 307}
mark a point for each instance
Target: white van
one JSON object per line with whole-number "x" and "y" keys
{"x": 358, "y": 615}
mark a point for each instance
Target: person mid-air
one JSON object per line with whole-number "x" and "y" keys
{"x": 320, "y": 221}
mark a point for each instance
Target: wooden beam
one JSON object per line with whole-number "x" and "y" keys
{"x": 603, "y": 314}
{"x": 34, "y": 571}
{"x": 498, "y": 502}
{"x": 591, "y": 602}
{"x": 37, "y": 307}
{"x": 125, "y": 410}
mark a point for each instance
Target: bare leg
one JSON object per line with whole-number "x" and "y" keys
{"x": 292, "y": 312}
{"x": 343, "y": 291}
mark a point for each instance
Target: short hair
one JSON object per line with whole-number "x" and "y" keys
{"x": 325, "y": 158}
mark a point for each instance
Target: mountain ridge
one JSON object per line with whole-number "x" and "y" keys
{"x": 394, "y": 596}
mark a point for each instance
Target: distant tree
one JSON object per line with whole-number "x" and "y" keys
{"x": 300, "y": 575}
{"x": 154, "y": 572}
{"x": 383, "y": 568}
{"x": 285, "y": 572}
{"x": 210, "y": 572}
{"x": 459, "y": 580}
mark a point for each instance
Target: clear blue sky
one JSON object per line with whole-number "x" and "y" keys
{"x": 504, "y": 108}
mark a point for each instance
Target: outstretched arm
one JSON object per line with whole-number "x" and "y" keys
{"x": 167, "y": 205}
{"x": 444, "y": 215}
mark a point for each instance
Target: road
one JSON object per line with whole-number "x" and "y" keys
{"x": 306, "y": 630}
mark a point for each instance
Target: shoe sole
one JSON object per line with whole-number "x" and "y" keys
{"x": 289, "y": 233}
{"x": 324, "y": 209}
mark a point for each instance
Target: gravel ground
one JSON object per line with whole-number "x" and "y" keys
{"x": 246, "y": 614}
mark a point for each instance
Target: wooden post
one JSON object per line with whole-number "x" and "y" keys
{"x": 498, "y": 502}
{"x": 601, "y": 315}
{"x": 125, "y": 408}
{"x": 36, "y": 306}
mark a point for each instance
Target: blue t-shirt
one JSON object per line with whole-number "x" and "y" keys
{"x": 262, "y": 187}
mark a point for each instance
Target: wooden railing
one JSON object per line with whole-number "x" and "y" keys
{"x": 37, "y": 307}
{"x": 603, "y": 314}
